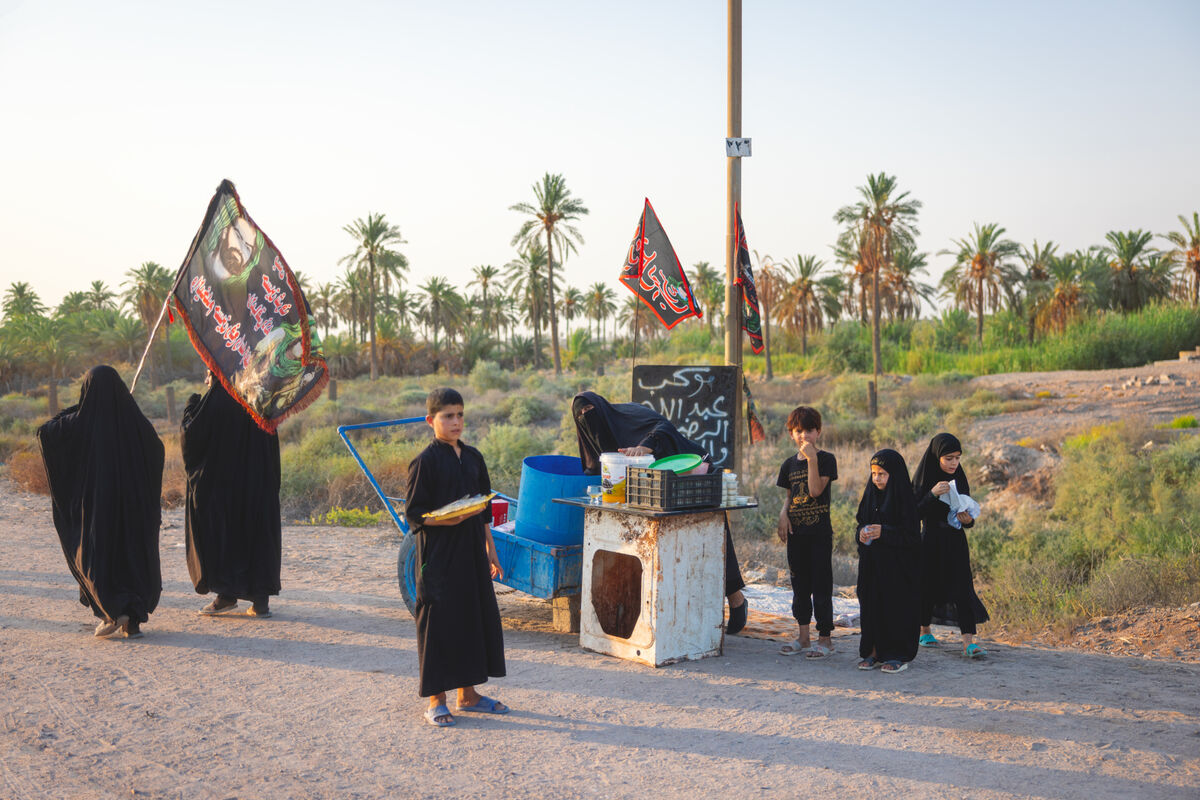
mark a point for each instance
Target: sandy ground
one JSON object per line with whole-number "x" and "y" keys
{"x": 320, "y": 701}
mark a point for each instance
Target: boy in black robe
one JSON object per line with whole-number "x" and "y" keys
{"x": 459, "y": 639}
{"x": 947, "y": 586}
{"x": 889, "y": 587}
{"x": 637, "y": 430}
{"x": 232, "y": 519}
{"x": 104, "y": 464}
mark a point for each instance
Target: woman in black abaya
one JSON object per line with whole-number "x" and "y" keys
{"x": 234, "y": 542}
{"x": 889, "y": 541}
{"x": 636, "y": 430}
{"x": 947, "y": 587}
{"x": 104, "y": 463}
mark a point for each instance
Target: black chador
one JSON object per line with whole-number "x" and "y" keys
{"x": 459, "y": 638}
{"x": 889, "y": 567}
{"x": 947, "y": 589}
{"x": 606, "y": 427}
{"x": 104, "y": 463}
{"x": 232, "y": 517}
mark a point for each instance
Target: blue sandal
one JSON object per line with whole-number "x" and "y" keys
{"x": 870, "y": 662}
{"x": 927, "y": 640}
{"x": 439, "y": 716}
{"x": 975, "y": 651}
{"x": 485, "y": 705}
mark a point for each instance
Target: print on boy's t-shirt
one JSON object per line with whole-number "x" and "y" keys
{"x": 808, "y": 514}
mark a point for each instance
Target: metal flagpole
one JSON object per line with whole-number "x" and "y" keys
{"x": 733, "y": 194}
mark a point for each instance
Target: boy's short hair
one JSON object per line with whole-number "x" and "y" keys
{"x": 440, "y": 398}
{"x": 804, "y": 418}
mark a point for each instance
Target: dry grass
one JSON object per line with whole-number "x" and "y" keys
{"x": 26, "y": 470}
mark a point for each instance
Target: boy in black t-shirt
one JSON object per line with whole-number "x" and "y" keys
{"x": 805, "y": 527}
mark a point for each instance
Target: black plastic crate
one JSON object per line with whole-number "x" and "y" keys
{"x": 663, "y": 490}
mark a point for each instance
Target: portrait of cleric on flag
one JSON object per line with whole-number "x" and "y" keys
{"x": 652, "y": 271}
{"x": 246, "y": 315}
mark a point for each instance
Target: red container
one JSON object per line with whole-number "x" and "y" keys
{"x": 499, "y": 511}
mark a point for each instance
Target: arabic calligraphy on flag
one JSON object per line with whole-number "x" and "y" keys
{"x": 246, "y": 315}
{"x": 653, "y": 272}
{"x": 751, "y": 318}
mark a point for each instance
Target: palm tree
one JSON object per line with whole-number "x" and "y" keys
{"x": 1037, "y": 278}
{"x": 73, "y": 304}
{"x": 769, "y": 283}
{"x": 601, "y": 304}
{"x": 1128, "y": 252}
{"x": 571, "y": 305}
{"x": 374, "y": 237}
{"x": 552, "y": 214}
{"x": 100, "y": 297}
{"x": 21, "y": 301}
{"x": 1186, "y": 253}
{"x": 883, "y": 219}
{"x": 148, "y": 287}
{"x": 1067, "y": 290}
{"x": 125, "y": 335}
{"x": 982, "y": 264}
{"x": 485, "y": 277}
{"x": 323, "y": 306}
{"x": 709, "y": 285}
{"x": 527, "y": 286}
{"x": 443, "y": 307}
{"x": 799, "y": 305}
{"x": 903, "y": 292}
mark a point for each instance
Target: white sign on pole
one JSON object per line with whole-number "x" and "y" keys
{"x": 737, "y": 148}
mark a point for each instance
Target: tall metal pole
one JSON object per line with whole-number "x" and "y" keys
{"x": 733, "y": 194}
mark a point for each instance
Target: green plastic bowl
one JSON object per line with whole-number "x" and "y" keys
{"x": 684, "y": 462}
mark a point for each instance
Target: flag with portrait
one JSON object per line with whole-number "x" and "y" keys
{"x": 246, "y": 315}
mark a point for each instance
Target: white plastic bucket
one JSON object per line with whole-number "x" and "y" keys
{"x": 612, "y": 474}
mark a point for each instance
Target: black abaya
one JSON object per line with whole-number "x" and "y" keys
{"x": 947, "y": 587}
{"x": 104, "y": 463}
{"x": 460, "y": 641}
{"x": 888, "y": 568}
{"x": 234, "y": 541}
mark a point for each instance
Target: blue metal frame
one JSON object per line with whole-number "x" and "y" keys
{"x": 538, "y": 569}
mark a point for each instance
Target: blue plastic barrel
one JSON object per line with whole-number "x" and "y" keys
{"x": 544, "y": 478}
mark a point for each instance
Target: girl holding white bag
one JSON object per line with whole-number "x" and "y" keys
{"x": 947, "y": 512}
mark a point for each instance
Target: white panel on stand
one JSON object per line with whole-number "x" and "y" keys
{"x": 653, "y": 586}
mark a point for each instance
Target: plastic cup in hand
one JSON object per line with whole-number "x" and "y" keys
{"x": 593, "y": 492}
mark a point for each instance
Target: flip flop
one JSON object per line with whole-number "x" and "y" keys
{"x": 439, "y": 716}
{"x": 927, "y": 640}
{"x": 892, "y": 667}
{"x": 793, "y": 649}
{"x": 485, "y": 705}
{"x": 975, "y": 651}
{"x": 818, "y": 650}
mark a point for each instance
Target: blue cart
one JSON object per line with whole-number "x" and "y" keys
{"x": 551, "y": 572}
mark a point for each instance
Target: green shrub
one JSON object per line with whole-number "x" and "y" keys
{"x": 350, "y": 517}
{"x": 846, "y": 348}
{"x": 505, "y": 447}
{"x": 1186, "y": 421}
{"x": 489, "y": 375}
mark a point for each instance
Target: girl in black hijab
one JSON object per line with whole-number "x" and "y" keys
{"x": 104, "y": 463}
{"x": 889, "y": 541}
{"x": 637, "y": 430}
{"x": 946, "y": 583}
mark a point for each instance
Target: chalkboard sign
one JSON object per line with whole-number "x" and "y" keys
{"x": 697, "y": 400}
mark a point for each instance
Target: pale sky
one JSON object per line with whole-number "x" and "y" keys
{"x": 1058, "y": 120}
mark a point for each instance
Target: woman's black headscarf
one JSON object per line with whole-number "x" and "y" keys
{"x": 929, "y": 471}
{"x": 104, "y": 463}
{"x": 606, "y": 427}
{"x": 895, "y": 503}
